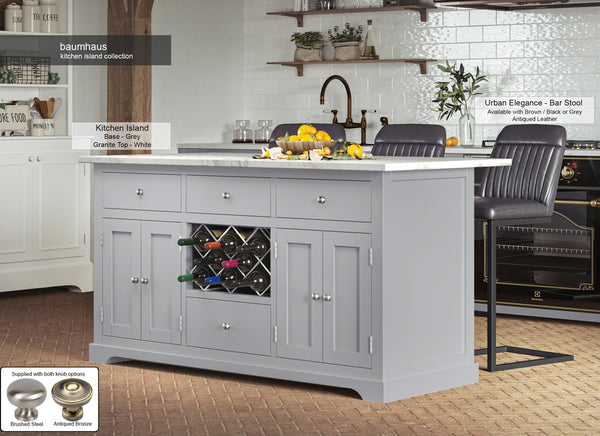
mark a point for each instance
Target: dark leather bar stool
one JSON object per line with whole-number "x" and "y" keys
{"x": 336, "y": 131}
{"x": 522, "y": 193}
{"x": 422, "y": 140}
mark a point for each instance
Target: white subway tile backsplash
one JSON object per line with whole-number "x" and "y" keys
{"x": 523, "y": 53}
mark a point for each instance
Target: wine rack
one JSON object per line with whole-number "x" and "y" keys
{"x": 244, "y": 235}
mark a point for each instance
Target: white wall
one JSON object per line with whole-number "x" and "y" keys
{"x": 89, "y": 82}
{"x": 541, "y": 53}
{"x": 201, "y": 92}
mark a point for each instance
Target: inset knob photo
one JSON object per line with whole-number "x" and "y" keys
{"x": 26, "y": 394}
{"x": 72, "y": 394}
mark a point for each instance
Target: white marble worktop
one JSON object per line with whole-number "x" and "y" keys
{"x": 484, "y": 151}
{"x": 241, "y": 160}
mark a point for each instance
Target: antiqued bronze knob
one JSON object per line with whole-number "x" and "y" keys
{"x": 72, "y": 394}
{"x": 26, "y": 394}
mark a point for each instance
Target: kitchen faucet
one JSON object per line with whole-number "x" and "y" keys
{"x": 349, "y": 124}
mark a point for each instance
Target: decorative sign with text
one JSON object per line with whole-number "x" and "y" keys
{"x": 534, "y": 110}
{"x": 14, "y": 117}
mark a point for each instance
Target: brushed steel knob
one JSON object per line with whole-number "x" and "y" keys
{"x": 38, "y": 158}
{"x": 327, "y": 297}
{"x": 145, "y": 280}
{"x": 72, "y": 394}
{"x": 321, "y": 199}
{"x": 226, "y": 326}
{"x": 226, "y": 195}
{"x": 139, "y": 191}
{"x": 135, "y": 279}
{"x": 26, "y": 394}
{"x": 30, "y": 158}
{"x": 316, "y": 296}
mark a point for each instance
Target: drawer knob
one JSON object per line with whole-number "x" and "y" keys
{"x": 26, "y": 394}
{"x": 321, "y": 199}
{"x": 226, "y": 195}
{"x": 30, "y": 158}
{"x": 72, "y": 394}
{"x": 139, "y": 191}
{"x": 135, "y": 279}
{"x": 327, "y": 297}
{"x": 226, "y": 326}
{"x": 316, "y": 296}
{"x": 145, "y": 280}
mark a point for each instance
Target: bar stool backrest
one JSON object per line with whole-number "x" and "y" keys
{"x": 422, "y": 140}
{"x": 536, "y": 151}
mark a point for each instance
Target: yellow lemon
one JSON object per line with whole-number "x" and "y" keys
{"x": 355, "y": 150}
{"x": 294, "y": 138}
{"x": 306, "y": 128}
{"x": 307, "y": 137}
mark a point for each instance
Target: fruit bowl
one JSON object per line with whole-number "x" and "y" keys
{"x": 297, "y": 147}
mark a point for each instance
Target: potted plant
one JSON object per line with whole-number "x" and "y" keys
{"x": 454, "y": 95}
{"x": 346, "y": 42}
{"x": 308, "y": 46}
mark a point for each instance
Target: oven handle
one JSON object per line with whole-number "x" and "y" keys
{"x": 592, "y": 203}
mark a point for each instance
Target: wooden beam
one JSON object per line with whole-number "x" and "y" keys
{"x": 129, "y": 96}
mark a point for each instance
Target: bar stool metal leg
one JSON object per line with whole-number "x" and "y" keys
{"x": 546, "y": 357}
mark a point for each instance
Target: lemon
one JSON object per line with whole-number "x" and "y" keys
{"x": 307, "y": 137}
{"x": 355, "y": 150}
{"x": 294, "y": 138}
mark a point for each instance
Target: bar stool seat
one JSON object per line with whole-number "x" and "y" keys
{"x": 523, "y": 193}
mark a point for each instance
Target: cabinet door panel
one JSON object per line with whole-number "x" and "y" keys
{"x": 15, "y": 207}
{"x": 58, "y": 200}
{"x": 299, "y": 272}
{"x": 161, "y": 296}
{"x": 121, "y": 262}
{"x": 347, "y": 315}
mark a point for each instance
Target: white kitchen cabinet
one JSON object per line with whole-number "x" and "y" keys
{"x": 45, "y": 215}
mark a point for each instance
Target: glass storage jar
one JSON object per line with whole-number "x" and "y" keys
{"x": 242, "y": 131}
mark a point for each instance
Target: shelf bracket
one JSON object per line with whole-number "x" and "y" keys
{"x": 422, "y": 13}
{"x": 422, "y": 65}
{"x": 298, "y": 16}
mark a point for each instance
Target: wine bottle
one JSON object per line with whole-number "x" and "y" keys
{"x": 227, "y": 279}
{"x": 198, "y": 273}
{"x": 244, "y": 262}
{"x": 215, "y": 258}
{"x": 257, "y": 245}
{"x": 198, "y": 238}
{"x": 228, "y": 243}
{"x": 258, "y": 281}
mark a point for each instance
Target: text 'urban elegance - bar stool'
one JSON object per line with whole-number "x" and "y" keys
{"x": 422, "y": 140}
{"x": 522, "y": 193}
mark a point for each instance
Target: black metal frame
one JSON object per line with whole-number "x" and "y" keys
{"x": 546, "y": 357}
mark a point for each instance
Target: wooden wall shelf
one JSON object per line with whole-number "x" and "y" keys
{"x": 422, "y": 63}
{"x": 299, "y": 15}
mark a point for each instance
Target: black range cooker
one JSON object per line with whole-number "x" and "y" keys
{"x": 551, "y": 269}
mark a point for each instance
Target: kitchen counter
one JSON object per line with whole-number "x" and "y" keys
{"x": 368, "y": 268}
{"x": 238, "y": 160}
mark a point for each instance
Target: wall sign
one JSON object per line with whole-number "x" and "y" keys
{"x": 534, "y": 110}
{"x": 14, "y": 117}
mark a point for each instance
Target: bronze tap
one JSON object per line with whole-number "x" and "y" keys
{"x": 349, "y": 124}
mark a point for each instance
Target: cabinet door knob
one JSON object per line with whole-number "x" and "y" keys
{"x": 226, "y": 195}
{"x": 327, "y": 297}
{"x": 72, "y": 394}
{"x": 139, "y": 191}
{"x": 321, "y": 199}
{"x": 26, "y": 394}
{"x": 38, "y": 158}
{"x": 316, "y": 296}
{"x": 226, "y": 326}
{"x": 30, "y": 158}
{"x": 135, "y": 279}
{"x": 145, "y": 280}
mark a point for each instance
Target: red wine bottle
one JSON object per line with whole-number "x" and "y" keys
{"x": 198, "y": 273}
{"x": 198, "y": 238}
{"x": 258, "y": 245}
{"x": 258, "y": 280}
{"x": 244, "y": 262}
{"x": 227, "y": 279}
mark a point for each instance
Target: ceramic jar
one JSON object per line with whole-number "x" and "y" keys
{"x": 32, "y": 17}
{"x": 13, "y": 18}
{"x": 49, "y": 12}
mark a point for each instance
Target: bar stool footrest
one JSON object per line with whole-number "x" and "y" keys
{"x": 547, "y": 357}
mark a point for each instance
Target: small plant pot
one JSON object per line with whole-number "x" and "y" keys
{"x": 346, "y": 51}
{"x": 308, "y": 54}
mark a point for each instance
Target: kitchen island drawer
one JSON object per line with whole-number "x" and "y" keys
{"x": 229, "y": 195}
{"x": 324, "y": 199}
{"x": 141, "y": 191}
{"x": 229, "y": 325}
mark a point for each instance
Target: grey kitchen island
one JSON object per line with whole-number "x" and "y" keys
{"x": 369, "y": 268}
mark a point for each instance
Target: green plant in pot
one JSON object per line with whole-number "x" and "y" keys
{"x": 308, "y": 46}
{"x": 453, "y": 96}
{"x": 346, "y": 42}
